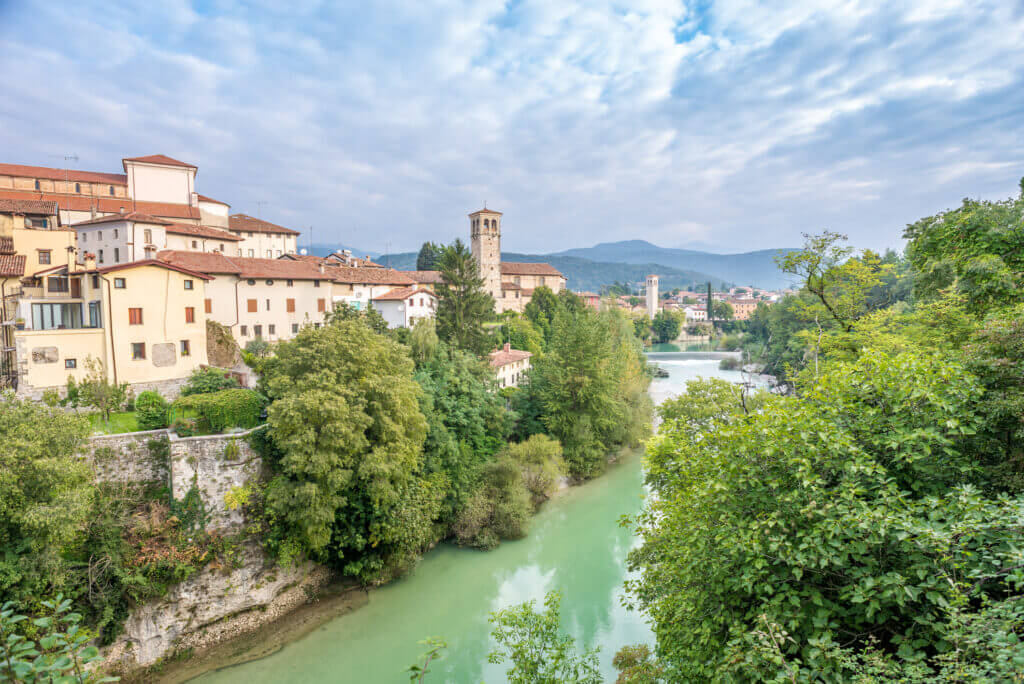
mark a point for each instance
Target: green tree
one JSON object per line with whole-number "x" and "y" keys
{"x": 539, "y": 652}
{"x": 345, "y": 418}
{"x": 541, "y": 309}
{"x": 721, "y": 311}
{"x": 521, "y": 333}
{"x": 463, "y": 304}
{"x": 369, "y": 317}
{"x": 429, "y": 257}
{"x": 207, "y": 381}
{"x": 151, "y": 411}
{"x": 666, "y": 326}
{"x": 96, "y": 391}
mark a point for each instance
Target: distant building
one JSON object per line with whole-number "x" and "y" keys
{"x": 652, "y": 295}
{"x": 510, "y": 283}
{"x": 695, "y": 313}
{"x": 262, "y": 239}
{"x": 403, "y": 306}
{"x": 510, "y": 365}
{"x": 591, "y": 299}
{"x": 743, "y": 308}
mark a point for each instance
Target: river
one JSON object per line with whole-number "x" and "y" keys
{"x": 575, "y": 545}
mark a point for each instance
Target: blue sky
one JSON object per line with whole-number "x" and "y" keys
{"x": 718, "y": 124}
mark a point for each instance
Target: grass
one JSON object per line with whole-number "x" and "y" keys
{"x": 121, "y": 421}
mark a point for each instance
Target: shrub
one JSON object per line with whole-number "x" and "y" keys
{"x": 729, "y": 363}
{"x": 218, "y": 411}
{"x": 500, "y": 509}
{"x": 540, "y": 461}
{"x": 208, "y": 380}
{"x": 151, "y": 411}
{"x": 51, "y": 397}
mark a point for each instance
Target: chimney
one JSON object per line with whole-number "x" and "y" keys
{"x": 508, "y": 347}
{"x": 90, "y": 261}
{"x": 321, "y": 267}
{"x": 122, "y": 211}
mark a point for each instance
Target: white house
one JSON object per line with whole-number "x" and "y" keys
{"x": 403, "y": 306}
{"x": 696, "y": 313}
{"x": 510, "y": 365}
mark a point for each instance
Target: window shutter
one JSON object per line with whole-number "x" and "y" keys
{"x": 252, "y": 305}
{"x": 290, "y": 305}
{"x": 209, "y": 306}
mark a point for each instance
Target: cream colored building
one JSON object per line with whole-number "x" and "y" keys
{"x": 510, "y": 283}
{"x": 403, "y": 306}
{"x": 510, "y": 365}
{"x": 66, "y": 316}
{"x": 262, "y": 239}
{"x": 118, "y": 238}
{"x": 266, "y": 298}
{"x": 742, "y": 308}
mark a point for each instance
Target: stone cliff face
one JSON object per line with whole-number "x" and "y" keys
{"x": 212, "y": 606}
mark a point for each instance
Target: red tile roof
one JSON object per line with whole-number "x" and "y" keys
{"x": 12, "y": 265}
{"x": 48, "y": 173}
{"x": 107, "y": 205}
{"x": 368, "y": 276}
{"x": 243, "y": 267}
{"x": 505, "y": 356}
{"x": 135, "y": 217}
{"x": 6, "y": 245}
{"x": 27, "y": 206}
{"x": 157, "y": 159}
{"x": 240, "y": 222}
{"x": 202, "y": 232}
{"x": 151, "y": 262}
{"x": 400, "y": 293}
{"x": 522, "y": 268}
{"x": 204, "y": 198}
{"x": 432, "y": 277}
{"x": 485, "y": 210}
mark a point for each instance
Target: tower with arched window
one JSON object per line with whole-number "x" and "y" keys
{"x": 485, "y": 240}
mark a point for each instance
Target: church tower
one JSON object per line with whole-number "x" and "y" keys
{"x": 485, "y": 239}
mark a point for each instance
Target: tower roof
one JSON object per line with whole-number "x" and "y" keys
{"x": 485, "y": 210}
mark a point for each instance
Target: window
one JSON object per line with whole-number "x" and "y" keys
{"x": 78, "y": 187}
{"x": 112, "y": 194}
{"x": 195, "y": 244}
{"x": 57, "y": 284}
{"x": 295, "y": 327}
{"x": 94, "y": 315}
{"x": 70, "y": 363}
{"x": 321, "y": 305}
{"x": 289, "y": 305}
{"x": 239, "y": 251}
{"x": 186, "y": 349}
{"x": 39, "y": 223}
{"x": 117, "y": 255}
{"x": 135, "y": 316}
{"x": 257, "y": 330}
{"x": 99, "y": 234}
{"x": 269, "y": 254}
{"x": 268, "y": 305}
{"x": 270, "y": 282}
{"x": 316, "y": 283}
{"x": 270, "y": 329}
{"x": 251, "y": 305}
{"x": 188, "y": 283}
{"x": 190, "y": 314}
{"x": 56, "y": 316}
{"x": 119, "y": 283}
{"x": 278, "y": 252}
{"x": 138, "y": 350}
{"x": 95, "y": 282}
{"x": 251, "y": 254}
{"x": 291, "y": 283}
{"x": 250, "y": 282}
{"x": 245, "y": 331}
{"x": 44, "y": 256}
{"x": 101, "y": 256}
{"x": 37, "y": 185}
{"x": 208, "y": 304}
{"x": 115, "y": 233}
{"x": 249, "y": 233}
{"x": 85, "y": 236}
{"x": 222, "y": 248}
{"x": 542, "y": 280}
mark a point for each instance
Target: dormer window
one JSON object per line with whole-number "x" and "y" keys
{"x": 37, "y": 185}
{"x": 78, "y": 188}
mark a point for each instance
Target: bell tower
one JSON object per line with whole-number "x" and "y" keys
{"x": 485, "y": 240}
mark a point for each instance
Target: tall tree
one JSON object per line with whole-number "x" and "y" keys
{"x": 429, "y": 256}
{"x": 666, "y": 326}
{"x": 463, "y": 304}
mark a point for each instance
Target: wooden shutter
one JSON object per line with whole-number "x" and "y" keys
{"x": 290, "y": 305}
{"x": 209, "y": 306}
{"x": 321, "y": 305}
{"x": 134, "y": 316}
{"x": 190, "y": 314}
{"x": 252, "y": 305}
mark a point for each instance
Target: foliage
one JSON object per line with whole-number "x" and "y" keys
{"x": 423, "y": 341}
{"x": 96, "y": 391}
{"x": 638, "y": 665}
{"x": 119, "y": 423}
{"x": 538, "y": 651}
{"x": 463, "y": 304}
{"x": 429, "y": 257}
{"x": 666, "y": 326}
{"x": 721, "y": 311}
{"x": 346, "y": 422}
{"x": 60, "y": 654}
{"x": 208, "y": 380}
{"x": 540, "y": 463}
{"x": 541, "y": 309}
{"x": 72, "y": 395}
{"x": 51, "y": 397}
{"x": 216, "y": 412}
{"x": 258, "y": 348}
{"x": 499, "y": 509}
{"x": 151, "y": 411}
{"x": 369, "y": 317}
{"x": 521, "y": 333}
{"x": 435, "y": 651}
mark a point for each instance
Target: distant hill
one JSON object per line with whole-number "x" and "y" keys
{"x": 585, "y": 274}
{"x": 750, "y": 268}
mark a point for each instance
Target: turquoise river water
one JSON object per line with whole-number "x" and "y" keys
{"x": 575, "y": 545}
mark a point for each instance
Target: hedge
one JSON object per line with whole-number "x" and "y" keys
{"x": 218, "y": 411}
{"x": 151, "y": 411}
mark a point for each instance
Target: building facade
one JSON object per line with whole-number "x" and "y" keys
{"x": 652, "y": 296}
{"x": 510, "y": 365}
{"x": 403, "y": 306}
{"x": 261, "y": 239}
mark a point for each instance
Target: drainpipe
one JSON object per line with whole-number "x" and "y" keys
{"x": 110, "y": 324}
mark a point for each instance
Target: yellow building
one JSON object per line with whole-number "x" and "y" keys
{"x": 144, "y": 322}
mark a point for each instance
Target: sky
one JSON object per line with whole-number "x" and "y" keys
{"x": 720, "y": 125}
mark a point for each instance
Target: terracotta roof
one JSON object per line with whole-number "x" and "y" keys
{"x": 425, "y": 276}
{"x": 157, "y": 159}
{"x": 151, "y": 262}
{"x": 12, "y": 265}
{"x": 204, "y": 198}
{"x": 48, "y": 173}
{"x": 27, "y": 206}
{"x": 510, "y": 286}
{"x": 202, "y": 232}
{"x": 238, "y": 222}
{"x": 6, "y": 245}
{"x": 368, "y": 276}
{"x": 243, "y": 267}
{"x": 135, "y": 217}
{"x": 400, "y": 293}
{"x": 485, "y": 210}
{"x": 522, "y": 268}
{"x": 505, "y": 356}
{"x": 107, "y": 205}
{"x": 362, "y": 262}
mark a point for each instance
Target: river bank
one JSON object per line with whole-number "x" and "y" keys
{"x": 575, "y": 545}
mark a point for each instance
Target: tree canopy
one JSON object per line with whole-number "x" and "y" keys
{"x": 463, "y": 304}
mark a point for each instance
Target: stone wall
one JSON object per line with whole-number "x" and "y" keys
{"x": 131, "y": 457}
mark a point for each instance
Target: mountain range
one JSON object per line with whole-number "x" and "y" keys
{"x": 630, "y": 261}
